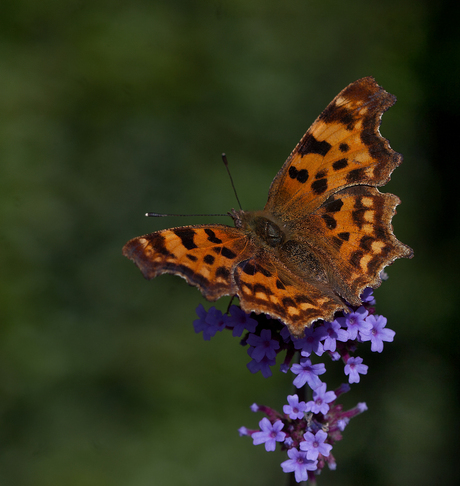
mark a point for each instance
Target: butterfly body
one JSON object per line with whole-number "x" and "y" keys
{"x": 324, "y": 235}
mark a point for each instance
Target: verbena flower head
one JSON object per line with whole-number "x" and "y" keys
{"x": 306, "y": 429}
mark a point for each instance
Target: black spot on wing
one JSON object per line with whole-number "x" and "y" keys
{"x": 186, "y": 236}
{"x": 319, "y": 186}
{"x": 345, "y": 236}
{"x": 344, "y": 147}
{"x": 192, "y": 258}
{"x": 212, "y": 236}
{"x": 333, "y": 206}
{"x": 330, "y": 221}
{"x": 355, "y": 175}
{"x": 340, "y": 164}
{"x": 279, "y": 284}
{"x": 227, "y": 253}
{"x": 209, "y": 259}
{"x": 309, "y": 145}
{"x": 320, "y": 174}
{"x": 300, "y": 175}
{"x": 248, "y": 268}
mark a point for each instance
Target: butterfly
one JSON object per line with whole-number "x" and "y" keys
{"x": 324, "y": 235}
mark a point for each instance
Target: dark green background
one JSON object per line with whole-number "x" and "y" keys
{"x": 109, "y": 109}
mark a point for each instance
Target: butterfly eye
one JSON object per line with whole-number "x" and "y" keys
{"x": 272, "y": 234}
{"x": 272, "y": 231}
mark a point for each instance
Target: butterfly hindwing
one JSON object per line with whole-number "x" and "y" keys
{"x": 352, "y": 229}
{"x": 265, "y": 286}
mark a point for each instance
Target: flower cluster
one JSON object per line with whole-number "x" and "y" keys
{"x": 307, "y": 430}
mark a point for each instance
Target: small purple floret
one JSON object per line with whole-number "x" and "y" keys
{"x": 321, "y": 399}
{"x": 314, "y": 444}
{"x": 354, "y": 368}
{"x": 263, "y": 346}
{"x": 377, "y": 333}
{"x": 239, "y": 321}
{"x": 295, "y": 409}
{"x": 270, "y": 434}
{"x": 299, "y": 464}
{"x": 307, "y": 373}
{"x": 354, "y": 322}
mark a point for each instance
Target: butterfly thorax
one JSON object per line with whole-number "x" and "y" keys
{"x": 261, "y": 225}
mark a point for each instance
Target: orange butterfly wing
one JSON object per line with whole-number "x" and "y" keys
{"x": 204, "y": 255}
{"x": 342, "y": 148}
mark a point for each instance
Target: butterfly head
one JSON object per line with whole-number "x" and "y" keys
{"x": 260, "y": 225}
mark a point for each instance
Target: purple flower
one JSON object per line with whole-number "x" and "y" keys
{"x": 367, "y": 296}
{"x": 263, "y": 346}
{"x": 285, "y": 334}
{"x": 362, "y": 406}
{"x": 295, "y": 409}
{"x": 239, "y": 321}
{"x": 209, "y": 322}
{"x": 243, "y": 431}
{"x": 314, "y": 444}
{"x": 320, "y": 401}
{"x": 263, "y": 366}
{"x": 354, "y": 368}
{"x": 254, "y": 407}
{"x": 354, "y": 322}
{"x": 378, "y": 333}
{"x": 270, "y": 434}
{"x": 307, "y": 373}
{"x": 333, "y": 333}
{"x": 288, "y": 441}
{"x": 311, "y": 343}
{"x": 299, "y": 464}
{"x": 342, "y": 423}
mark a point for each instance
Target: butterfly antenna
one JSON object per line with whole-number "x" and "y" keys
{"x": 224, "y": 158}
{"x": 160, "y": 215}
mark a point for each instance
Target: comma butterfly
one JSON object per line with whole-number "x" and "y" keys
{"x": 324, "y": 235}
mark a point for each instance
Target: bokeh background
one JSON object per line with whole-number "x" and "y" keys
{"x": 109, "y": 109}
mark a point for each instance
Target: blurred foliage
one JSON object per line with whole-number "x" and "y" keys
{"x": 110, "y": 109}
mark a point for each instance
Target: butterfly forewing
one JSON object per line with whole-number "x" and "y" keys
{"x": 205, "y": 255}
{"x": 342, "y": 148}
